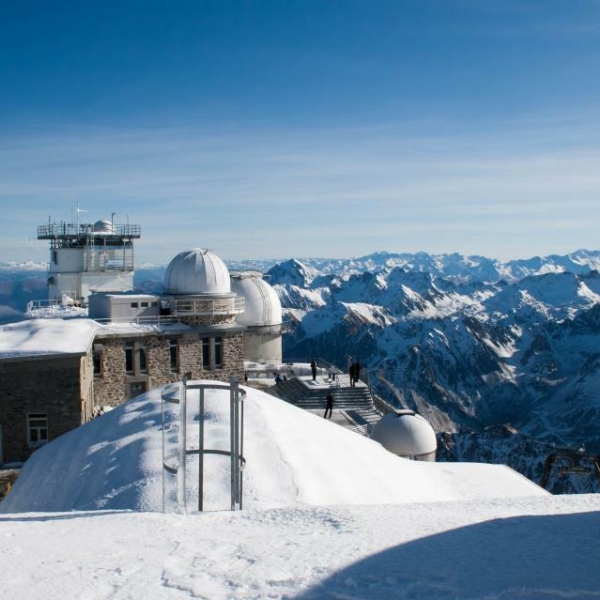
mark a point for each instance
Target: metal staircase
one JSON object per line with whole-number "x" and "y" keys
{"x": 304, "y": 394}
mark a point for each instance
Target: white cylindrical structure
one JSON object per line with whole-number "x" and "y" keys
{"x": 262, "y": 317}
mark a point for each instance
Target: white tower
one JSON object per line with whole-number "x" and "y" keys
{"x": 86, "y": 258}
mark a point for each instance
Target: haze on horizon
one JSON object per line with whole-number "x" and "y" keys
{"x": 302, "y": 129}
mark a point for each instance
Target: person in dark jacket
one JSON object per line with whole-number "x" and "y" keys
{"x": 329, "y": 406}
{"x": 357, "y": 368}
{"x": 351, "y": 373}
{"x": 313, "y": 368}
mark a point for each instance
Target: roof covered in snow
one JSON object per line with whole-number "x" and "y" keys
{"x": 38, "y": 337}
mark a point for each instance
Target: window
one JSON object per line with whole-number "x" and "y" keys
{"x": 143, "y": 305}
{"x": 218, "y": 345}
{"x": 97, "y": 359}
{"x": 136, "y": 388}
{"x": 134, "y": 305}
{"x": 129, "y": 357}
{"x": 135, "y": 358}
{"x": 141, "y": 354}
{"x": 174, "y": 355}
{"x": 37, "y": 429}
{"x": 212, "y": 353}
{"x": 206, "y": 353}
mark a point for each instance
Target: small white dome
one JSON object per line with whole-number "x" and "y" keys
{"x": 407, "y": 434}
{"x": 263, "y": 306}
{"x": 103, "y": 227}
{"x": 197, "y": 271}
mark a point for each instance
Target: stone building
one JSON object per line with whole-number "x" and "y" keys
{"x": 200, "y": 328}
{"x": 46, "y": 383}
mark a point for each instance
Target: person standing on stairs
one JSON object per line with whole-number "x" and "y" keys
{"x": 329, "y": 405}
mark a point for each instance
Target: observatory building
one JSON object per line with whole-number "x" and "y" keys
{"x": 197, "y": 327}
{"x": 206, "y": 324}
{"x": 86, "y": 258}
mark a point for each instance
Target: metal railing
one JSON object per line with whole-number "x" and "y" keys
{"x": 175, "y": 428}
{"x": 189, "y": 306}
{"x": 53, "y": 231}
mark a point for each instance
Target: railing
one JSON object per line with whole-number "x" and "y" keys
{"x": 48, "y": 305}
{"x": 73, "y": 230}
{"x": 233, "y": 305}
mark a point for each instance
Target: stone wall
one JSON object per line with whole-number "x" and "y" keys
{"x": 112, "y": 387}
{"x": 43, "y": 385}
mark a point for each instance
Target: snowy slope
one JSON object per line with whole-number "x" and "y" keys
{"x": 328, "y": 515}
{"x": 293, "y": 457}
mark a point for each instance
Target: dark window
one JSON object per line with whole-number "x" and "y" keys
{"x": 212, "y": 353}
{"x": 141, "y": 352}
{"x": 143, "y": 304}
{"x": 129, "y": 357}
{"x": 136, "y": 361}
{"x": 174, "y": 355}
{"x": 97, "y": 359}
{"x": 206, "y": 353}
{"x": 136, "y": 388}
{"x": 134, "y": 305}
{"x": 37, "y": 429}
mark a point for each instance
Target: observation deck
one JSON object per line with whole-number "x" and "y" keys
{"x": 72, "y": 235}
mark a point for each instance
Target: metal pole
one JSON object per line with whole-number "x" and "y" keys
{"x": 232, "y": 440}
{"x": 162, "y": 412}
{"x": 241, "y": 396}
{"x": 181, "y": 479}
{"x": 201, "y": 452}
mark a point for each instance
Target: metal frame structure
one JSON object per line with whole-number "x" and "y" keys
{"x": 174, "y": 462}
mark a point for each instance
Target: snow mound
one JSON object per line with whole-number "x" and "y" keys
{"x": 293, "y": 458}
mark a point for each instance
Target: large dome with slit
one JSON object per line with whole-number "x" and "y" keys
{"x": 263, "y": 306}
{"x": 197, "y": 271}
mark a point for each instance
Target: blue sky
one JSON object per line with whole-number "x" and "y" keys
{"x": 277, "y": 129}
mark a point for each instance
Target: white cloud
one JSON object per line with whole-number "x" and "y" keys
{"x": 258, "y": 194}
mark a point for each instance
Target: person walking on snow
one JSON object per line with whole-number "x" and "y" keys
{"x": 329, "y": 406}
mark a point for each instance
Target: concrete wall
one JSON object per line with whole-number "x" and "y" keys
{"x": 106, "y": 306}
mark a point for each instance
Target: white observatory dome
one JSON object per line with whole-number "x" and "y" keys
{"x": 197, "y": 271}
{"x": 406, "y": 434}
{"x": 262, "y": 302}
{"x": 103, "y": 227}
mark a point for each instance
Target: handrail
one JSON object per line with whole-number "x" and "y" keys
{"x": 208, "y": 306}
{"x": 72, "y": 230}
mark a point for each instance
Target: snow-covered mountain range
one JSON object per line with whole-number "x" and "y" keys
{"x": 502, "y": 357}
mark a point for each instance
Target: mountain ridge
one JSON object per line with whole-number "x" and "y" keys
{"x": 473, "y": 344}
